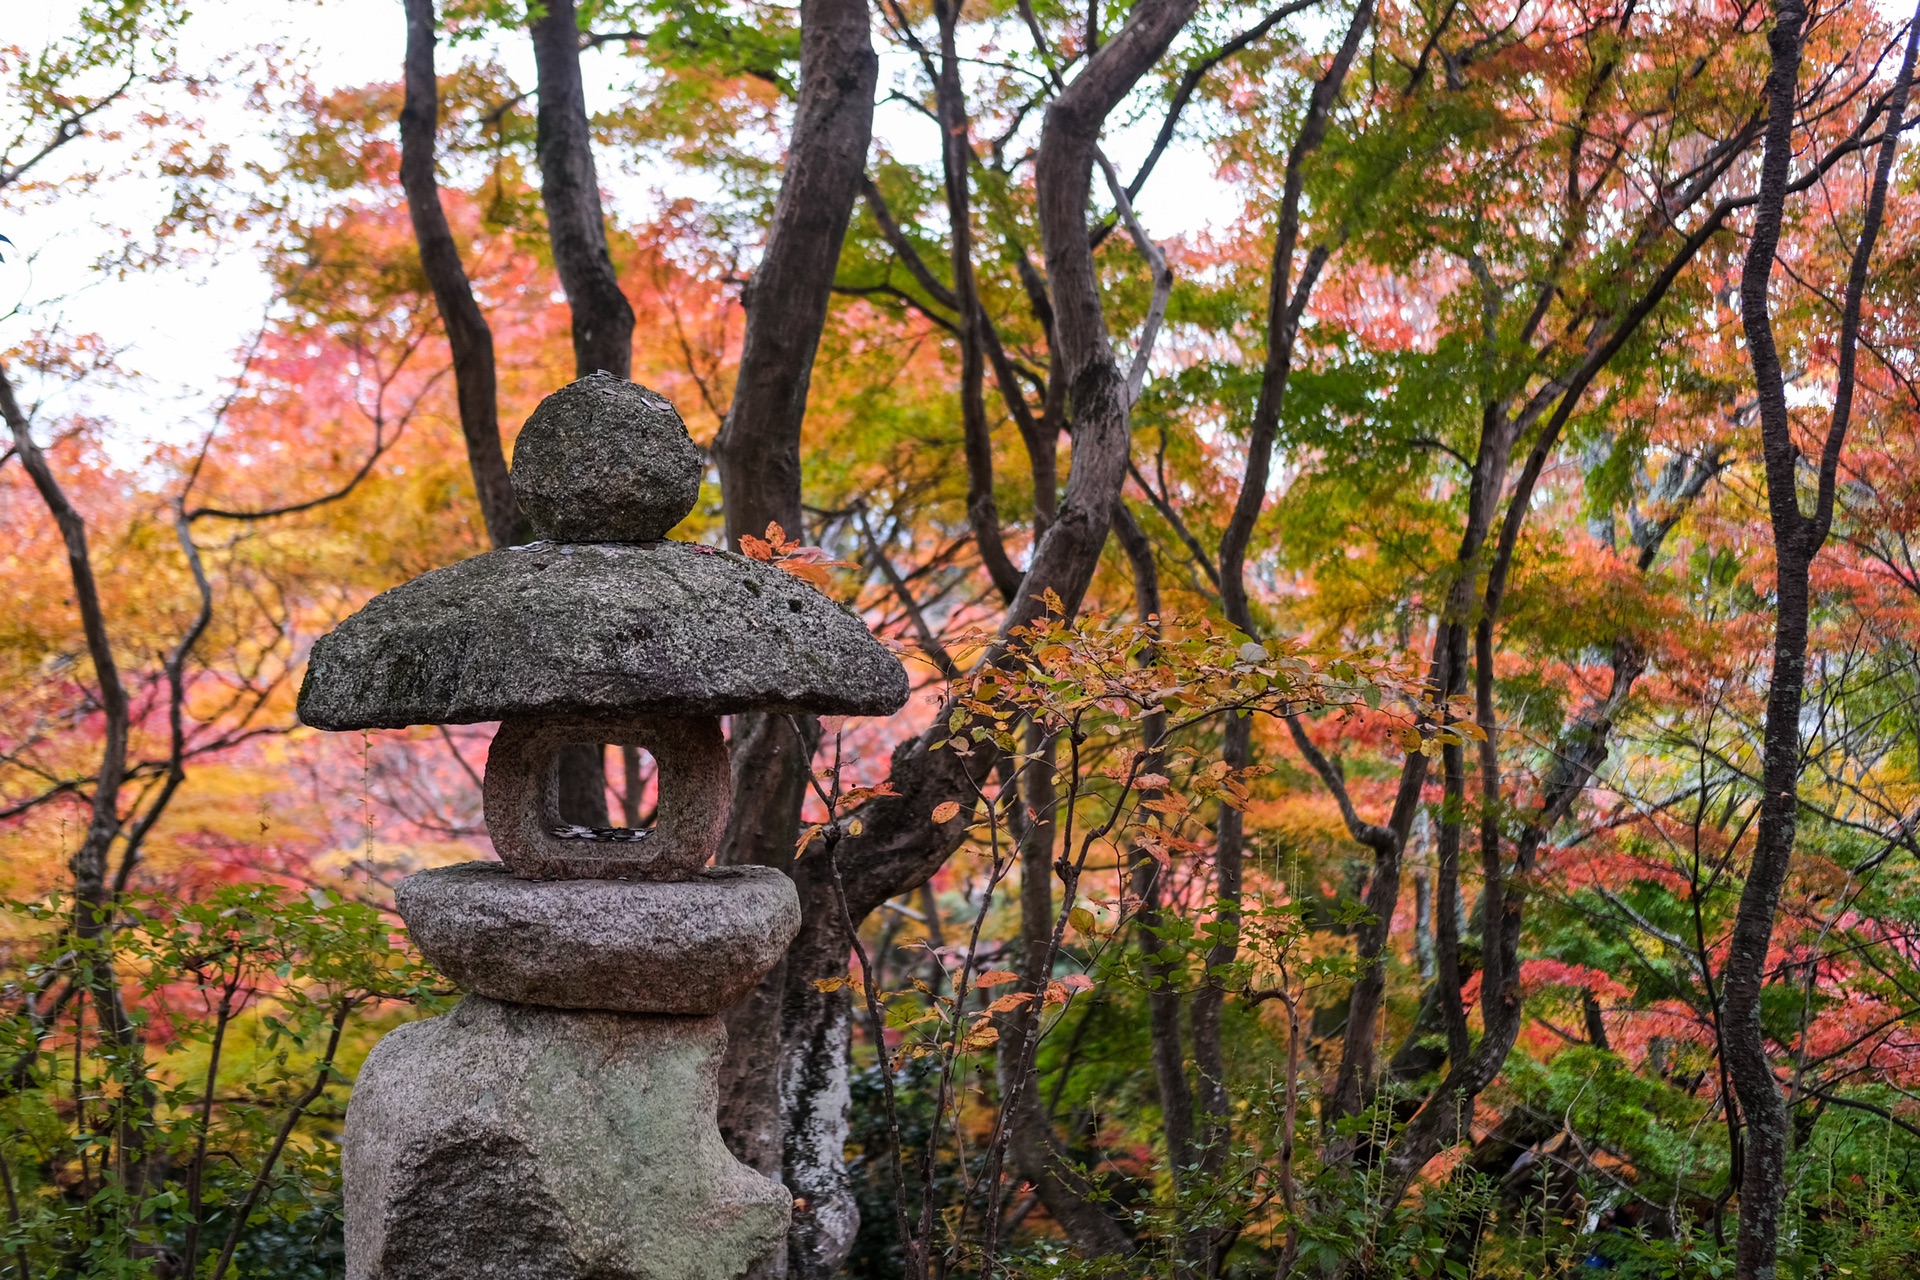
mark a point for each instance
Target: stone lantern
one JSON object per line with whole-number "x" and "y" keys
{"x": 560, "y": 1122}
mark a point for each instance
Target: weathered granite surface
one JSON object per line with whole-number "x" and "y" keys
{"x": 516, "y": 1143}
{"x": 521, "y": 795}
{"x": 666, "y": 628}
{"x": 560, "y": 1123}
{"x": 605, "y": 460}
{"x": 689, "y": 947}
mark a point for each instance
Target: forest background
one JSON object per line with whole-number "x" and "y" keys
{"x": 1401, "y": 518}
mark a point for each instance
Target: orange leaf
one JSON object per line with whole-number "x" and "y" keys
{"x": 946, "y": 811}
{"x": 995, "y": 978}
{"x": 778, "y": 537}
{"x": 980, "y": 1038}
{"x": 1061, "y": 990}
{"x": 808, "y": 571}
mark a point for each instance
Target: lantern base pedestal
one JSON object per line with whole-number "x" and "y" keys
{"x": 682, "y": 947}
{"x": 513, "y": 1142}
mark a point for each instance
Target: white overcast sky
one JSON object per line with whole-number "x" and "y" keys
{"x": 181, "y": 328}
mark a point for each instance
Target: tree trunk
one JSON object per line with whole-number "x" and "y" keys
{"x": 570, "y": 192}
{"x": 602, "y": 318}
{"x": 94, "y": 898}
{"x": 770, "y": 1096}
{"x": 956, "y": 155}
{"x": 468, "y": 336}
{"x": 1797, "y": 539}
{"x": 758, "y": 449}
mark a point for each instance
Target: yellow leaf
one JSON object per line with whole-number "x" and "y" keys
{"x": 831, "y": 984}
{"x": 1082, "y": 919}
{"x": 981, "y": 1038}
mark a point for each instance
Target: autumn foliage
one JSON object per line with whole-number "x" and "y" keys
{"x": 1357, "y": 902}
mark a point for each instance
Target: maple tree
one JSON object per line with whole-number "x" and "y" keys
{"x": 1353, "y": 820}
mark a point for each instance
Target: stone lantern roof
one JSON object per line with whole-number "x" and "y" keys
{"x": 602, "y": 618}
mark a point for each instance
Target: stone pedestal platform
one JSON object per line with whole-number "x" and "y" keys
{"x": 632, "y": 946}
{"x": 560, "y": 1123}
{"x": 514, "y": 1142}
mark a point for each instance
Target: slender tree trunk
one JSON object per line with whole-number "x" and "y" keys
{"x": 1036, "y": 1150}
{"x": 602, "y": 318}
{"x": 1762, "y": 1189}
{"x": 570, "y": 192}
{"x": 956, "y": 155}
{"x": 814, "y": 1082}
{"x": 1797, "y": 539}
{"x": 769, "y": 784}
{"x": 469, "y": 337}
{"x": 1423, "y": 954}
{"x": 1145, "y": 874}
{"x": 1287, "y": 296}
{"x": 758, "y": 449}
{"x": 94, "y": 896}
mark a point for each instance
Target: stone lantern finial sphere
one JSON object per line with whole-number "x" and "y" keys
{"x": 605, "y": 460}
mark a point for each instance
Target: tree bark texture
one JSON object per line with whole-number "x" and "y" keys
{"x": 1797, "y": 539}
{"x": 785, "y": 1113}
{"x": 94, "y": 897}
{"x": 469, "y": 337}
{"x": 956, "y": 156}
{"x": 89, "y": 862}
{"x": 601, "y": 316}
{"x": 758, "y": 449}
{"x": 570, "y": 192}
